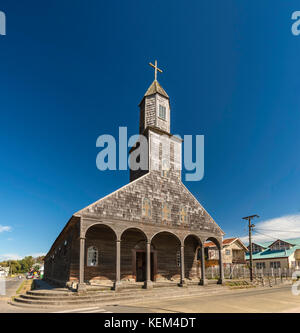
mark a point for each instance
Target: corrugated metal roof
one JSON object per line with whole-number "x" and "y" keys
{"x": 293, "y": 241}
{"x": 268, "y": 253}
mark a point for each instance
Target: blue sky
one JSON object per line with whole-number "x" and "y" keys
{"x": 73, "y": 70}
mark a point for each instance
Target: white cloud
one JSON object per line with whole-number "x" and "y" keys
{"x": 10, "y": 256}
{"x": 4, "y": 228}
{"x": 35, "y": 255}
{"x": 283, "y": 227}
{"x": 15, "y": 256}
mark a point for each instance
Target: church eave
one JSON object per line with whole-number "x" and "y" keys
{"x": 72, "y": 221}
{"x": 152, "y": 95}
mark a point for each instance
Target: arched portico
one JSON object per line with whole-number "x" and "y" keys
{"x": 134, "y": 256}
{"x": 213, "y": 253}
{"x": 192, "y": 268}
{"x": 169, "y": 248}
{"x": 100, "y": 249}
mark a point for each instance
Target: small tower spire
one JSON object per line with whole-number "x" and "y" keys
{"x": 155, "y": 69}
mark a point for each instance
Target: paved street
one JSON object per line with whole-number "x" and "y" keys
{"x": 11, "y": 285}
{"x": 276, "y": 299}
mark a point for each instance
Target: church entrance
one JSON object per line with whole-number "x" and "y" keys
{"x": 141, "y": 266}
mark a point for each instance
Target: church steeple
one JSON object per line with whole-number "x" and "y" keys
{"x": 155, "y": 106}
{"x": 164, "y": 149}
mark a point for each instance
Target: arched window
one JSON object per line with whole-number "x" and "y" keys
{"x": 166, "y": 212}
{"x": 92, "y": 256}
{"x": 165, "y": 169}
{"x": 146, "y": 207}
{"x": 183, "y": 216}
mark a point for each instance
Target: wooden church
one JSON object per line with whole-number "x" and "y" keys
{"x": 150, "y": 230}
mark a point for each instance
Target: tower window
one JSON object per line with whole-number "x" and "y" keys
{"x": 162, "y": 112}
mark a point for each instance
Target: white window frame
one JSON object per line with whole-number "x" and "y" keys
{"x": 163, "y": 109}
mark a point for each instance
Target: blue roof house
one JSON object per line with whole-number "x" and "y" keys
{"x": 277, "y": 254}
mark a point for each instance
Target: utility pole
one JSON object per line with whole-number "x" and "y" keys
{"x": 250, "y": 226}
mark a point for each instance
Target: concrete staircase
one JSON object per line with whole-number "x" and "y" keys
{"x": 61, "y": 297}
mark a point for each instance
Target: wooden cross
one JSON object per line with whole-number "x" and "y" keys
{"x": 155, "y": 69}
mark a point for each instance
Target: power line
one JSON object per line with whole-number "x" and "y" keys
{"x": 265, "y": 235}
{"x": 277, "y": 230}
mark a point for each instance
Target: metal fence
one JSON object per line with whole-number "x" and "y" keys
{"x": 243, "y": 272}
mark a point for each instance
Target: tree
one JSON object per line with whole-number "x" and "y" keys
{"x": 26, "y": 263}
{"x": 36, "y": 267}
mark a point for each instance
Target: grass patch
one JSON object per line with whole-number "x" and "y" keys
{"x": 239, "y": 284}
{"x": 25, "y": 286}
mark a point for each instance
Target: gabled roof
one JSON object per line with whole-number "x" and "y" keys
{"x": 154, "y": 88}
{"x": 264, "y": 244}
{"x": 227, "y": 242}
{"x": 292, "y": 241}
{"x": 287, "y": 242}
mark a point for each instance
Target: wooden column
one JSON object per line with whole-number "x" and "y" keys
{"x": 148, "y": 282}
{"x": 221, "y": 278}
{"x": 182, "y": 280}
{"x": 81, "y": 285}
{"x": 203, "y": 280}
{"x": 118, "y": 265}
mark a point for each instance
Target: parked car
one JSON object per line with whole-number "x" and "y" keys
{"x": 29, "y": 276}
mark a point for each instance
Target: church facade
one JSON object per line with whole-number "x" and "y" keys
{"x": 150, "y": 230}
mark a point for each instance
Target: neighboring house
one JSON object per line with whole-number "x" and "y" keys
{"x": 4, "y": 271}
{"x": 259, "y": 247}
{"x": 233, "y": 252}
{"x": 279, "y": 254}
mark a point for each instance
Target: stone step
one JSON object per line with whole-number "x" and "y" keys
{"x": 111, "y": 294}
{"x": 119, "y": 299}
{"x": 111, "y": 298}
{"x": 68, "y": 302}
{"x": 104, "y": 295}
{"x": 66, "y": 293}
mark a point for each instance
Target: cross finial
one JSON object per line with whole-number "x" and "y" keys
{"x": 155, "y": 69}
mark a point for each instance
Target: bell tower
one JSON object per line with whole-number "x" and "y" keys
{"x": 164, "y": 149}
{"x": 155, "y": 106}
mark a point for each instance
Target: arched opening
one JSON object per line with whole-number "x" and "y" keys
{"x": 192, "y": 261}
{"x": 213, "y": 259}
{"x": 167, "y": 246}
{"x": 100, "y": 254}
{"x": 133, "y": 256}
